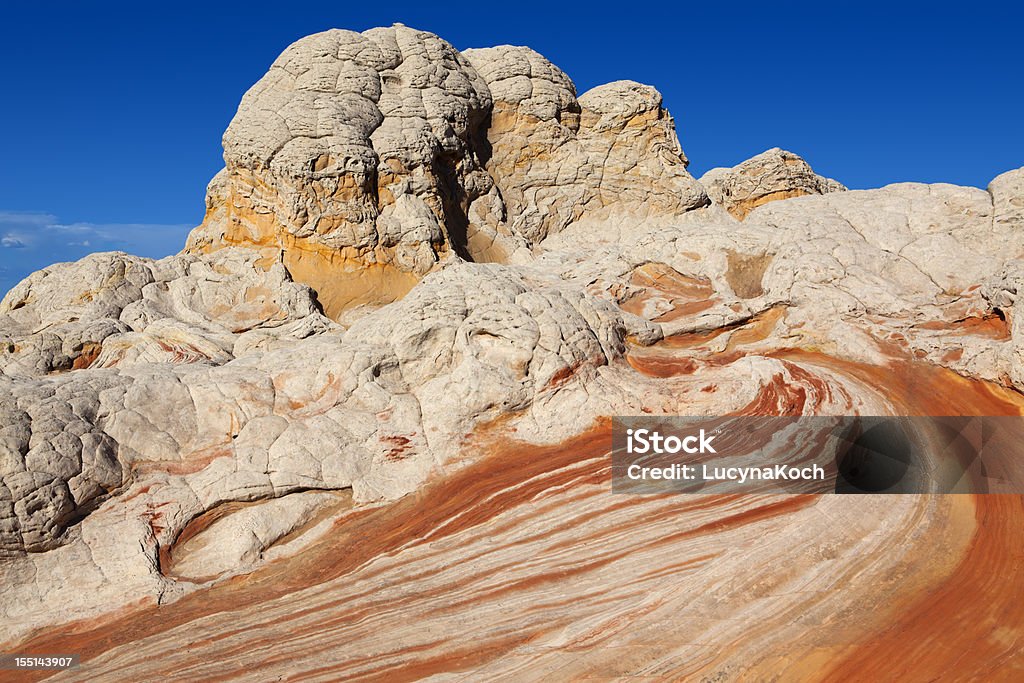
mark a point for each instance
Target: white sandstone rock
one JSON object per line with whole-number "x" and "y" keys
{"x": 772, "y": 175}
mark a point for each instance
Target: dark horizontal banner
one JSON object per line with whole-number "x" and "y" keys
{"x": 814, "y": 454}
{"x": 36, "y": 662}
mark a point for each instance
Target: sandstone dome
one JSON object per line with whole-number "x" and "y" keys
{"x": 359, "y": 427}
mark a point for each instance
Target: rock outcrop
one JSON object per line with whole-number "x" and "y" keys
{"x": 363, "y": 160}
{"x": 1007, "y": 191}
{"x": 769, "y": 176}
{"x": 178, "y": 309}
{"x": 379, "y": 378}
{"x": 556, "y": 159}
{"x": 355, "y": 154}
{"x": 470, "y": 343}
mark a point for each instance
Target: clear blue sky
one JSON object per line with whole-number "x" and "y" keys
{"x": 112, "y": 113}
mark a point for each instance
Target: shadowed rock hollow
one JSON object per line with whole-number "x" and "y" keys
{"x": 379, "y": 374}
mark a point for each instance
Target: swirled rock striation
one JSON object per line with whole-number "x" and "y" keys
{"x": 377, "y": 382}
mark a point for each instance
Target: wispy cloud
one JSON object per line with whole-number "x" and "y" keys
{"x": 30, "y": 241}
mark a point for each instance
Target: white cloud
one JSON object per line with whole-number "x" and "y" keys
{"x": 30, "y": 241}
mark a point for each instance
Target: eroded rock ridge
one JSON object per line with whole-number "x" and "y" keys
{"x": 410, "y": 246}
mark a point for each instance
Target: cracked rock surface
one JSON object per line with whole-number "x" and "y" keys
{"x": 769, "y": 176}
{"x": 384, "y": 363}
{"x": 362, "y": 160}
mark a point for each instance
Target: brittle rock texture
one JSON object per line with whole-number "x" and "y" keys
{"x": 111, "y": 307}
{"x": 556, "y": 158}
{"x": 1007, "y": 192}
{"x": 355, "y": 154}
{"x": 767, "y": 177}
{"x": 359, "y": 428}
{"x": 365, "y": 159}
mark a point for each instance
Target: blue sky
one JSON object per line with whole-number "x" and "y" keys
{"x": 112, "y": 113}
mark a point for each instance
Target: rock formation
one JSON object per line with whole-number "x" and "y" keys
{"x": 362, "y": 160}
{"x": 767, "y": 177}
{"x": 557, "y": 160}
{"x": 359, "y": 426}
{"x": 354, "y": 155}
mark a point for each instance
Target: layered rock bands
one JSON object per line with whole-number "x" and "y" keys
{"x": 358, "y": 428}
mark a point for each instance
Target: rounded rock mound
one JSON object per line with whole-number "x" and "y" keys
{"x": 771, "y": 175}
{"x": 354, "y": 158}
